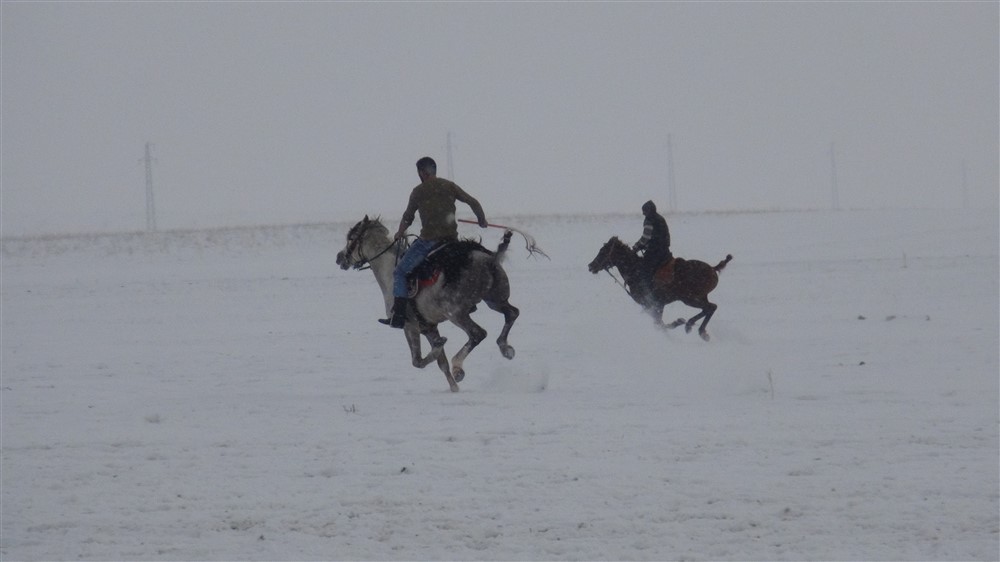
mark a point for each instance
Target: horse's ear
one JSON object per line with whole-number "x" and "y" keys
{"x": 365, "y": 219}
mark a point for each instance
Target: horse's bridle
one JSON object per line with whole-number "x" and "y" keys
{"x": 354, "y": 244}
{"x": 609, "y": 265}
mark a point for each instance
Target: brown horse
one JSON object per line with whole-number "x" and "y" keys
{"x": 691, "y": 282}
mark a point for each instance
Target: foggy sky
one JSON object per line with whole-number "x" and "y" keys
{"x": 265, "y": 113}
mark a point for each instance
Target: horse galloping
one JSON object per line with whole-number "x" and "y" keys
{"x": 471, "y": 274}
{"x": 691, "y": 283}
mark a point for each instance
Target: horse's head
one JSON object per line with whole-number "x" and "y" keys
{"x": 361, "y": 239}
{"x": 612, "y": 254}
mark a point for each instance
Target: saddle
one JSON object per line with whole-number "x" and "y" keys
{"x": 664, "y": 274}
{"x": 421, "y": 277}
{"x": 448, "y": 258}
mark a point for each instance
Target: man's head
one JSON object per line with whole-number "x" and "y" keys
{"x": 648, "y": 208}
{"x": 426, "y": 168}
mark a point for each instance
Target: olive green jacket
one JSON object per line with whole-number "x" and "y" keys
{"x": 435, "y": 200}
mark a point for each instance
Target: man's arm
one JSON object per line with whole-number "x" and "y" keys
{"x": 647, "y": 233}
{"x": 408, "y": 215}
{"x": 471, "y": 201}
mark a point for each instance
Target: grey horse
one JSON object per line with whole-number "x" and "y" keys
{"x": 477, "y": 277}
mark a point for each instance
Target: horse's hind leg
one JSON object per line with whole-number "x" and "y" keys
{"x": 510, "y": 314}
{"x": 707, "y": 310}
{"x": 476, "y": 335}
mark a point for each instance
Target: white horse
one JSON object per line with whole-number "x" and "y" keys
{"x": 470, "y": 274}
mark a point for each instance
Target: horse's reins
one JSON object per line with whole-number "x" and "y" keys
{"x": 623, "y": 286}
{"x": 365, "y": 262}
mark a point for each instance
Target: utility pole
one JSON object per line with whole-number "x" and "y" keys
{"x": 451, "y": 166}
{"x": 965, "y": 186}
{"x": 150, "y": 205}
{"x": 834, "y": 188}
{"x": 671, "y": 184}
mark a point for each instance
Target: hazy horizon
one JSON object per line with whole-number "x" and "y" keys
{"x": 264, "y": 113}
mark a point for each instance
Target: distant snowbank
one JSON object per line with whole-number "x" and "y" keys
{"x": 243, "y": 238}
{"x": 169, "y": 241}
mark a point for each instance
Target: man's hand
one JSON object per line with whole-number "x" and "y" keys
{"x": 400, "y": 234}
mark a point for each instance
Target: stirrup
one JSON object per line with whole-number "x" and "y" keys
{"x": 393, "y": 322}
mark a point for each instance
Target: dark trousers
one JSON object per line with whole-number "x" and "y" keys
{"x": 651, "y": 261}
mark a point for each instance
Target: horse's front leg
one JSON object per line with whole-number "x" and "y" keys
{"x": 476, "y": 334}
{"x": 413, "y": 341}
{"x": 656, "y": 311}
{"x": 675, "y": 323}
{"x": 437, "y": 340}
{"x": 435, "y": 354}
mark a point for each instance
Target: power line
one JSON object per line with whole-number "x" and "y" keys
{"x": 451, "y": 166}
{"x": 834, "y": 188}
{"x": 671, "y": 184}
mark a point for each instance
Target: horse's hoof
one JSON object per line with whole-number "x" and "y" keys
{"x": 704, "y": 335}
{"x": 507, "y": 351}
{"x": 459, "y": 375}
{"x": 454, "y": 388}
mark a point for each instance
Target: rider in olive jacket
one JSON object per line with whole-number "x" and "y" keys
{"x": 435, "y": 200}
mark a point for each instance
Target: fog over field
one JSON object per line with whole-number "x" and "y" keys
{"x": 286, "y": 113}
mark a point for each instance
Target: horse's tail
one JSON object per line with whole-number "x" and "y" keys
{"x": 501, "y": 252}
{"x": 722, "y": 264}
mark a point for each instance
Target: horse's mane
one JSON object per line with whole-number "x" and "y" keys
{"x": 624, "y": 245}
{"x": 375, "y": 223}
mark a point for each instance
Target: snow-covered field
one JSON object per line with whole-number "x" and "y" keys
{"x": 224, "y": 395}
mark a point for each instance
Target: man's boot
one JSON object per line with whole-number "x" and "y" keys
{"x": 397, "y": 319}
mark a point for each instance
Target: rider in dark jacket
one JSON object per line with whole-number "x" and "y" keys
{"x": 655, "y": 243}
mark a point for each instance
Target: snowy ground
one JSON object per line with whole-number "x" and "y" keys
{"x": 228, "y": 395}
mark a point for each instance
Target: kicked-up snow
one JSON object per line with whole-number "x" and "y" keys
{"x": 229, "y": 395}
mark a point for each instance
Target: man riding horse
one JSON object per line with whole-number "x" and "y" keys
{"x": 435, "y": 200}
{"x": 655, "y": 243}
